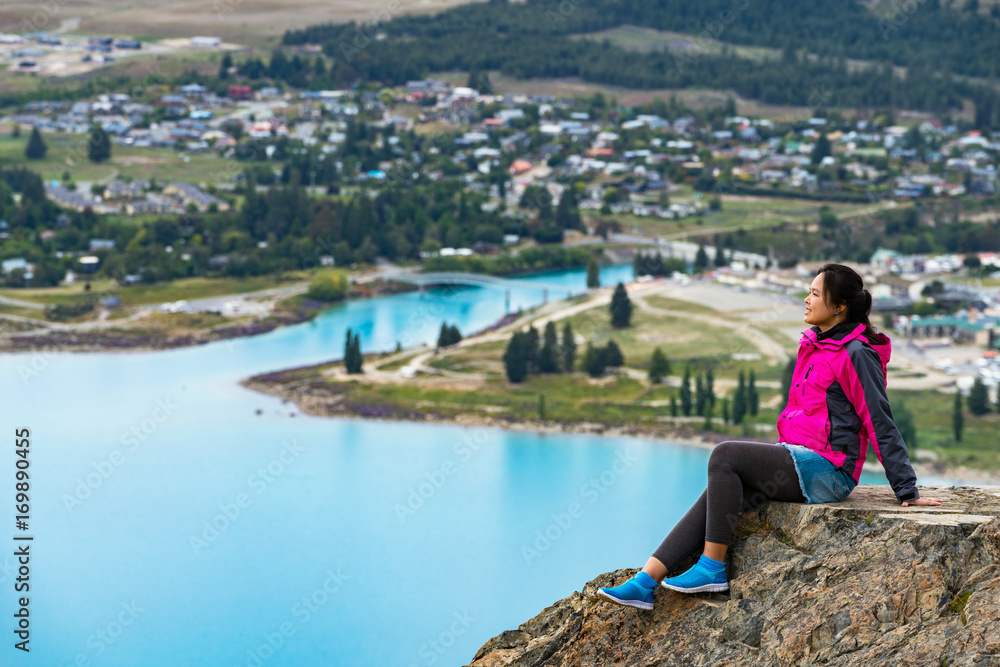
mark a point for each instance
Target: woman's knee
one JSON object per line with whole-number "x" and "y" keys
{"x": 722, "y": 455}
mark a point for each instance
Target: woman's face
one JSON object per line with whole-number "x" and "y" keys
{"x": 818, "y": 313}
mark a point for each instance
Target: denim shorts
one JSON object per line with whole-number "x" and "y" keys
{"x": 820, "y": 480}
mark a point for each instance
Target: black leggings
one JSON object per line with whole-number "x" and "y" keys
{"x": 742, "y": 476}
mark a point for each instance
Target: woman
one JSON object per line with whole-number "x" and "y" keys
{"x": 836, "y": 406}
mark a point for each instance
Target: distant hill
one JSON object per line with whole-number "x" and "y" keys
{"x": 235, "y": 20}
{"x": 949, "y": 52}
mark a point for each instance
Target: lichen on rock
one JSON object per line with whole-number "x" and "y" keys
{"x": 862, "y": 582}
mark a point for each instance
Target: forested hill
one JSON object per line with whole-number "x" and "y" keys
{"x": 933, "y": 40}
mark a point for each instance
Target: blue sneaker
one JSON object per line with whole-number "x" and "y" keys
{"x": 706, "y": 576}
{"x": 636, "y": 592}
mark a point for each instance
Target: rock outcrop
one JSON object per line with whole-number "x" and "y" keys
{"x": 863, "y": 582}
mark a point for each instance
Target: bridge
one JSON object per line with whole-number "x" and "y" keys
{"x": 423, "y": 280}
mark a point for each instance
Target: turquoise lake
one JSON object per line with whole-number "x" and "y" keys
{"x": 175, "y": 527}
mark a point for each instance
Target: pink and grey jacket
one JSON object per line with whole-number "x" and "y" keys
{"x": 838, "y": 404}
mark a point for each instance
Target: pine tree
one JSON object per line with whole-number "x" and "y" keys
{"x": 548, "y": 357}
{"x": 594, "y": 360}
{"x": 227, "y": 62}
{"x": 621, "y": 308}
{"x": 699, "y": 396}
{"x": 639, "y": 264}
{"x": 753, "y": 400}
{"x": 708, "y": 418}
{"x": 720, "y": 256}
{"x": 978, "y": 398}
{"x": 686, "y": 392}
{"x": 568, "y": 348}
{"x": 700, "y": 259}
{"x": 740, "y": 400}
{"x": 613, "y": 356}
{"x": 725, "y": 411}
{"x": 710, "y": 386}
{"x": 353, "y": 359}
{"x": 515, "y": 358}
{"x": 567, "y": 213}
{"x": 36, "y": 148}
{"x": 349, "y": 351}
{"x": 443, "y": 335}
{"x": 673, "y": 405}
{"x": 821, "y": 149}
{"x": 454, "y": 335}
{"x": 957, "y": 416}
{"x": 659, "y": 367}
{"x": 98, "y": 145}
{"x": 531, "y": 348}
{"x": 593, "y": 274}
{"x": 359, "y": 359}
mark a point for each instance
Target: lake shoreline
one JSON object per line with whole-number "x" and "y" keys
{"x": 137, "y": 339}
{"x": 322, "y": 406}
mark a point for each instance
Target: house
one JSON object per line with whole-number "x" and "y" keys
{"x": 209, "y": 42}
{"x": 189, "y": 194}
{"x": 147, "y": 207}
{"x": 236, "y": 92}
{"x": 70, "y": 198}
{"x": 193, "y": 90}
{"x": 119, "y": 191}
{"x": 519, "y": 167}
{"x": 507, "y": 115}
{"x": 470, "y": 138}
{"x": 516, "y": 141}
{"x": 428, "y": 87}
{"x": 10, "y": 265}
{"x": 88, "y": 263}
{"x": 101, "y": 244}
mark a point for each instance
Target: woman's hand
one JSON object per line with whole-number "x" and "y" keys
{"x": 923, "y": 501}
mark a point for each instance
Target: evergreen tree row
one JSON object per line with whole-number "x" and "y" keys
{"x": 525, "y": 354}
{"x": 654, "y": 264}
{"x": 702, "y": 400}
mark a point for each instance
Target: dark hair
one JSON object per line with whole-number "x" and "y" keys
{"x": 843, "y": 285}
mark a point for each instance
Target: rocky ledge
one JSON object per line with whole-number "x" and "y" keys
{"x": 863, "y": 582}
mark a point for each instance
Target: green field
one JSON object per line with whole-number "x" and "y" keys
{"x": 617, "y": 401}
{"x": 646, "y": 40}
{"x": 68, "y": 153}
{"x": 932, "y": 413}
{"x": 680, "y": 338}
{"x": 737, "y": 213}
